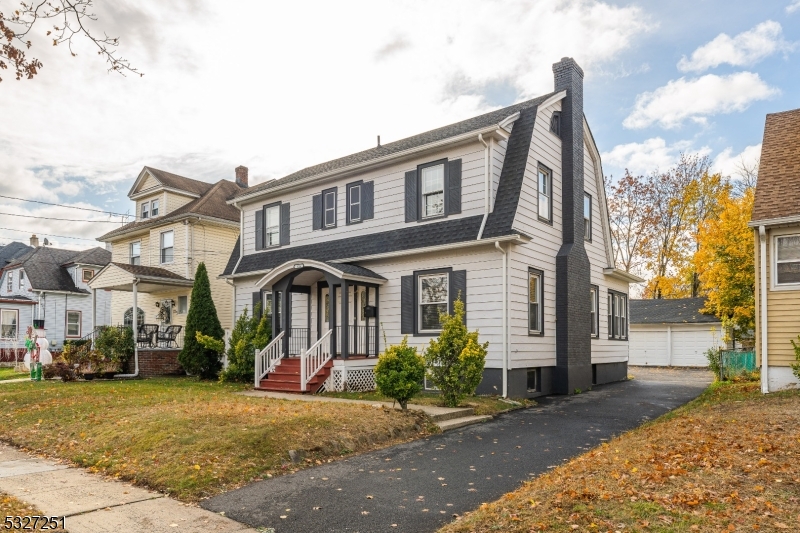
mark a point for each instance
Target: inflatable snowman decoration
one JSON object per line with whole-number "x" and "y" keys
{"x": 37, "y": 353}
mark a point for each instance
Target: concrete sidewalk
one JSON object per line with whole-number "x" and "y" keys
{"x": 92, "y": 504}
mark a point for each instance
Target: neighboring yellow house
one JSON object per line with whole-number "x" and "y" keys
{"x": 776, "y": 222}
{"x": 180, "y": 222}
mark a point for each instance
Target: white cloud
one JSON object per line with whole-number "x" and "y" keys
{"x": 729, "y": 164}
{"x": 284, "y": 90}
{"x": 651, "y": 155}
{"x": 794, "y": 6}
{"x": 746, "y": 48}
{"x": 696, "y": 99}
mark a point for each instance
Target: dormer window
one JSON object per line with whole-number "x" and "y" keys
{"x": 555, "y": 124}
{"x": 87, "y": 275}
{"x": 154, "y": 208}
{"x": 145, "y": 210}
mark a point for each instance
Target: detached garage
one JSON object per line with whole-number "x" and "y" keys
{"x": 672, "y": 332}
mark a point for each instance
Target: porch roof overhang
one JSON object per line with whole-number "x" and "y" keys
{"x": 622, "y": 275}
{"x": 340, "y": 270}
{"x": 121, "y": 277}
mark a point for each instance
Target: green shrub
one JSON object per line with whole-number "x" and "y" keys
{"x": 796, "y": 365}
{"x": 399, "y": 372}
{"x": 455, "y": 359}
{"x": 714, "y": 356}
{"x": 249, "y": 333}
{"x": 202, "y": 316}
{"x": 113, "y": 347}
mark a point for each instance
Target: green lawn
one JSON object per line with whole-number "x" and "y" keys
{"x": 483, "y": 405}
{"x": 188, "y": 438}
{"x": 7, "y": 372}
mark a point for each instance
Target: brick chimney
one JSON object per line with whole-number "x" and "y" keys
{"x": 573, "y": 331}
{"x": 34, "y": 241}
{"x": 241, "y": 176}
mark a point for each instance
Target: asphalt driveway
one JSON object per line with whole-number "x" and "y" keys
{"x": 419, "y": 486}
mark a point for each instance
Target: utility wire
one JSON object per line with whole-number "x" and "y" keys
{"x": 63, "y": 219}
{"x": 68, "y": 206}
{"x": 50, "y": 234}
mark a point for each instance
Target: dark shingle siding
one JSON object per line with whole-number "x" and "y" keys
{"x": 408, "y": 143}
{"x": 676, "y": 311}
{"x": 407, "y": 238}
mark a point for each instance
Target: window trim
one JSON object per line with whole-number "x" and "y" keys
{"x": 154, "y": 208}
{"x": 83, "y": 274}
{"x": 264, "y": 232}
{"x": 594, "y": 289}
{"x": 178, "y": 305}
{"x": 10, "y": 281}
{"x": 349, "y": 188}
{"x": 145, "y": 210}
{"x": 774, "y": 263}
{"x": 130, "y": 253}
{"x": 445, "y": 193}
{"x": 161, "y": 247}
{"x": 16, "y": 322}
{"x": 587, "y": 221}
{"x": 539, "y": 274}
{"x": 325, "y": 193}
{"x": 66, "y": 324}
{"x": 540, "y": 168}
{"x": 615, "y": 318}
{"x": 427, "y": 272}
{"x": 21, "y": 281}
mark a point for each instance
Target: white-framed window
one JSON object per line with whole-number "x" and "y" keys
{"x": 433, "y": 297}
{"x": 9, "y": 319}
{"x": 595, "y": 312}
{"x": 87, "y": 274}
{"x": 545, "y": 195}
{"x": 432, "y": 180}
{"x": 617, "y": 315}
{"x": 183, "y": 305}
{"x": 354, "y": 203}
{"x": 73, "y": 324}
{"x": 329, "y": 208}
{"x": 587, "y": 217}
{"x": 136, "y": 253}
{"x": 154, "y": 208}
{"x": 21, "y": 280}
{"x": 787, "y": 260}
{"x": 167, "y": 246}
{"x": 535, "y": 302}
{"x": 145, "y": 209}
{"x": 10, "y": 281}
{"x": 272, "y": 225}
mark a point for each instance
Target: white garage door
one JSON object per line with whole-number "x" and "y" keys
{"x": 648, "y": 348}
{"x": 690, "y": 343}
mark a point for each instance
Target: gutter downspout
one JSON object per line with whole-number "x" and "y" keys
{"x": 186, "y": 227}
{"x": 485, "y": 185}
{"x": 135, "y": 325}
{"x": 505, "y": 317}
{"x": 762, "y": 237}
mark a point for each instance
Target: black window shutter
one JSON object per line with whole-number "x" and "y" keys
{"x": 368, "y": 200}
{"x": 454, "y": 187}
{"x": 407, "y": 305}
{"x": 411, "y": 196}
{"x": 284, "y": 224}
{"x": 256, "y": 302}
{"x": 260, "y": 229}
{"x": 458, "y": 287}
{"x": 316, "y": 203}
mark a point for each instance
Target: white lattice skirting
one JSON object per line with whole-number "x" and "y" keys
{"x": 345, "y": 378}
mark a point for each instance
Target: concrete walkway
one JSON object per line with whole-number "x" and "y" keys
{"x": 92, "y": 504}
{"x": 420, "y": 485}
{"x": 445, "y": 417}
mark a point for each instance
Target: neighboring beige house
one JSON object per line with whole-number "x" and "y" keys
{"x": 776, "y": 221}
{"x": 180, "y": 223}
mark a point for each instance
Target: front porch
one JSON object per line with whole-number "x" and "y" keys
{"x": 337, "y": 309}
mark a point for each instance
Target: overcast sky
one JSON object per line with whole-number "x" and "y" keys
{"x": 281, "y": 87}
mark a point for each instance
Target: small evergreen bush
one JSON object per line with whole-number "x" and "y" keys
{"x": 249, "y": 334}
{"x": 202, "y": 316}
{"x": 796, "y": 365}
{"x": 455, "y": 359}
{"x": 399, "y": 373}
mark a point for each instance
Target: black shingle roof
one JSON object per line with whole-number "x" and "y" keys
{"x": 11, "y": 251}
{"x": 675, "y": 311}
{"x": 45, "y": 267}
{"x": 356, "y": 270}
{"x": 452, "y": 130}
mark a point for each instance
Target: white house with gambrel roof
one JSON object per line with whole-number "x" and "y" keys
{"x": 505, "y": 210}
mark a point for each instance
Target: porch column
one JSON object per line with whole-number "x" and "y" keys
{"x": 135, "y": 325}
{"x": 280, "y": 313}
{"x": 331, "y": 280}
{"x": 377, "y": 321}
{"x": 94, "y": 313}
{"x": 345, "y": 319}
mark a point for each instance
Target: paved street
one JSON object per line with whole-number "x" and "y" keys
{"x": 419, "y": 486}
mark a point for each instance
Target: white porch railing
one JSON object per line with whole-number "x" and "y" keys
{"x": 268, "y": 358}
{"x": 314, "y": 359}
